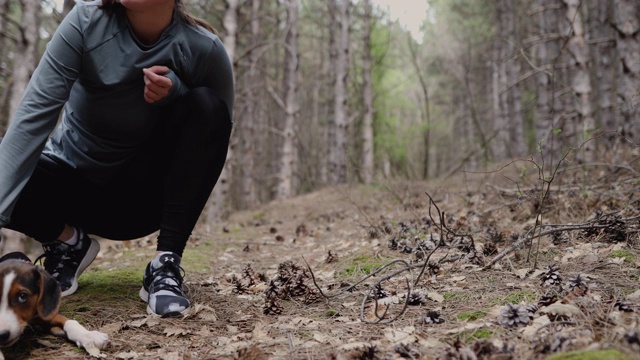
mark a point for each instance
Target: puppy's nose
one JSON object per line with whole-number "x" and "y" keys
{"x": 4, "y": 336}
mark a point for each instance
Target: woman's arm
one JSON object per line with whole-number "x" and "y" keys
{"x": 38, "y": 112}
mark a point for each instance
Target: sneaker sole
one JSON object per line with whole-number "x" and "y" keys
{"x": 91, "y": 254}
{"x": 144, "y": 296}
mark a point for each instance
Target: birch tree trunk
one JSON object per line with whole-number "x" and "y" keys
{"x": 627, "y": 23}
{"x": 338, "y": 143}
{"x": 220, "y": 197}
{"x": 581, "y": 81}
{"x": 290, "y": 106}
{"x": 367, "y": 94}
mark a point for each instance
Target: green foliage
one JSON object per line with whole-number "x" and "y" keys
{"x": 482, "y": 334}
{"x": 471, "y": 316}
{"x": 516, "y": 298}
{"x": 626, "y": 255}
{"x": 363, "y": 265}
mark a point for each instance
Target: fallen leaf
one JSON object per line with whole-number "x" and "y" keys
{"x": 127, "y": 355}
{"x": 531, "y": 330}
{"x": 138, "y": 323}
{"x": 175, "y": 331}
{"x": 435, "y": 297}
{"x": 561, "y": 309}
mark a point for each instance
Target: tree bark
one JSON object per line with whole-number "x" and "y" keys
{"x": 291, "y": 107}
{"x": 604, "y": 76}
{"x": 24, "y": 63}
{"x": 581, "y": 80}
{"x": 367, "y": 94}
{"x": 627, "y": 24}
{"x": 499, "y": 86}
{"x": 218, "y": 207}
{"x": 338, "y": 143}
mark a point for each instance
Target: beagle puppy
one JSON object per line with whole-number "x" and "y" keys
{"x": 30, "y": 296}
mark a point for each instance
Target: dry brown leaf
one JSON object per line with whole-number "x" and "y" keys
{"x": 175, "y": 331}
{"x": 127, "y": 355}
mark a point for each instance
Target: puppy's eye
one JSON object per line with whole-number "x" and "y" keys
{"x": 23, "y": 297}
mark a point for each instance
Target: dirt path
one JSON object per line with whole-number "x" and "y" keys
{"x": 255, "y": 298}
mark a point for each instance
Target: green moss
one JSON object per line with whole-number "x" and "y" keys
{"x": 610, "y": 354}
{"x": 259, "y": 215}
{"x": 482, "y": 334}
{"x": 197, "y": 259}
{"x": 470, "y": 316}
{"x": 626, "y": 255}
{"x": 456, "y": 296}
{"x": 330, "y": 313}
{"x": 515, "y": 298}
{"x": 363, "y": 265}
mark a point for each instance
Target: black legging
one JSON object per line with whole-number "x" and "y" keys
{"x": 164, "y": 187}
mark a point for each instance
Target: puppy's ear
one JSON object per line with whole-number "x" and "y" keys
{"x": 49, "y": 297}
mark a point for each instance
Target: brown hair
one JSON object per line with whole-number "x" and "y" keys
{"x": 180, "y": 10}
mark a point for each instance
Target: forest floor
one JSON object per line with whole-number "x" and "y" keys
{"x": 253, "y": 280}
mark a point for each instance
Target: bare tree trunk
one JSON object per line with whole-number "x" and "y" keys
{"x": 338, "y": 147}
{"x": 627, "y": 23}
{"x": 290, "y": 106}
{"x": 499, "y": 86}
{"x": 517, "y": 143}
{"x": 367, "y": 94}
{"x": 581, "y": 81}
{"x": 4, "y": 12}
{"x": 220, "y": 197}
{"x": 252, "y": 116}
{"x": 24, "y": 63}
{"x": 604, "y": 59}
{"x": 543, "y": 112}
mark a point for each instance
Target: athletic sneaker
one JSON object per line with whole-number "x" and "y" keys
{"x": 66, "y": 262}
{"x": 162, "y": 286}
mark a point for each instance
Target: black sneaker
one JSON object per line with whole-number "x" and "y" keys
{"x": 66, "y": 262}
{"x": 162, "y": 286}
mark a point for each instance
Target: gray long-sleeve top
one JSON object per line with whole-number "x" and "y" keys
{"x": 93, "y": 68}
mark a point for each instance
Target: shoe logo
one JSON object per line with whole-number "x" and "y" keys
{"x": 168, "y": 259}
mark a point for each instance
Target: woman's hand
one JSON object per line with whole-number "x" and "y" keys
{"x": 156, "y": 85}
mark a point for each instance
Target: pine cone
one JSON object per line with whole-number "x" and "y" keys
{"x": 416, "y": 298}
{"x": 272, "y": 307}
{"x": 547, "y": 299}
{"x": 331, "y": 257}
{"x": 434, "y": 268}
{"x": 490, "y": 249}
{"x": 432, "y": 317}
{"x": 393, "y": 244}
{"x": 404, "y": 247}
{"x": 633, "y": 339}
{"x": 407, "y": 351}
{"x": 531, "y": 309}
{"x": 578, "y": 283}
{"x": 379, "y": 292}
{"x": 623, "y": 305}
{"x": 551, "y": 277}
{"x": 513, "y": 315}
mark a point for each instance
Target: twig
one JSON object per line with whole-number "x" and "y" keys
{"x": 592, "y": 224}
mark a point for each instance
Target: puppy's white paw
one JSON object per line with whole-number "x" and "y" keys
{"x": 94, "y": 339}
{"x": 91, "y": 341}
